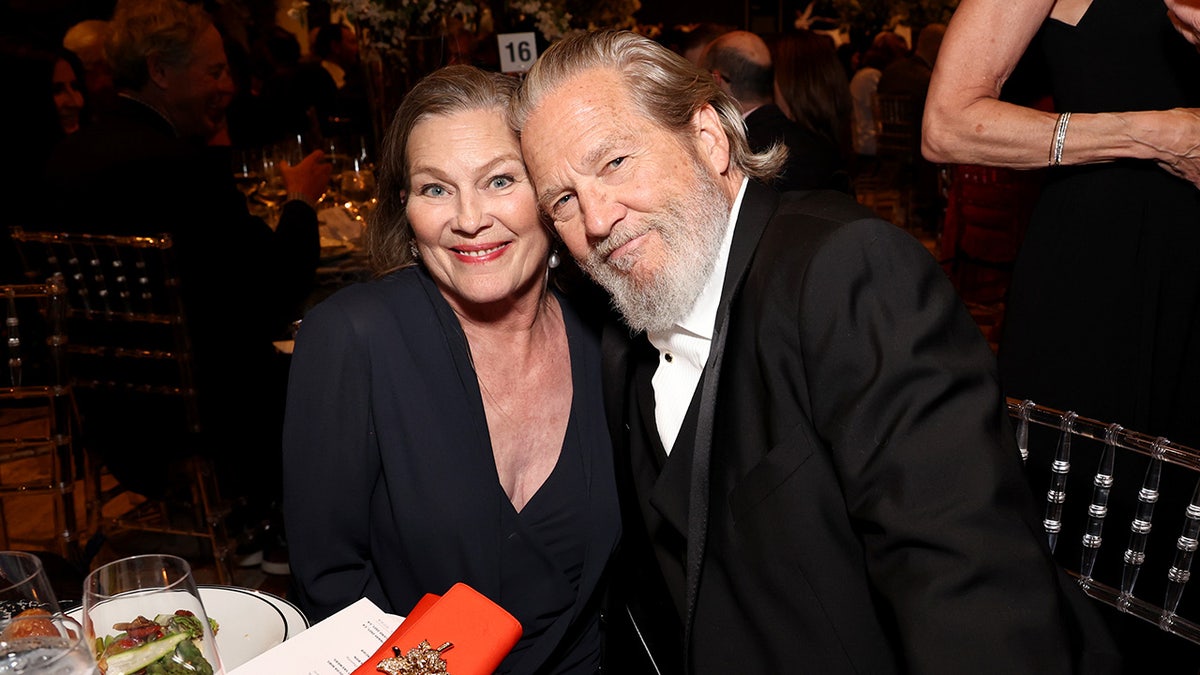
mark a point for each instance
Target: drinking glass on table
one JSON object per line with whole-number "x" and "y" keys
{"x": 248, "y": 171}
{"x": 45, "y": 645}
{"x": 145, "y": 609}
{"x": 24, "y": 585}
{"x": 358, "y": 188}
{"x": 273, "y": 191}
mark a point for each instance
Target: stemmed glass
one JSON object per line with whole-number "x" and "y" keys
{"x": 145, "y": 609}
{"x": 24, "y": 585}
{"x": 45, "y": 645}
{"x": 248, "y": 171}
{"x": 358, "y": 188}
{"x": 273, "y": 191}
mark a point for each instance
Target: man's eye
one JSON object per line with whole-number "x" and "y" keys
{"x": 617, "y": 162}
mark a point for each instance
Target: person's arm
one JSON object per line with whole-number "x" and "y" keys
{"x": 330, "y": 466}
{"x": 309, "y": 179}
{"x": 904, "y": 391}
{"x": 966, "y": 123}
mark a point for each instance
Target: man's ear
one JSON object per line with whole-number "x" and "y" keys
{"x": 157, "y": 68}
{"x": 711, "y": 138}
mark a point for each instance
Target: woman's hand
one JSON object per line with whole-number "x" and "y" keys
{"x": 1178, "y": 149}
{"x": 1185, "y": 14}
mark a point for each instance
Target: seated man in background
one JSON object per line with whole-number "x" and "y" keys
{"x": 338, "y": 85}
{"x": 909, "y": 76}
{"x": 154, "y": 165}
{"x": 740, "y": 61}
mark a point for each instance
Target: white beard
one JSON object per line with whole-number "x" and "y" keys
{"x": 692, "y": 228}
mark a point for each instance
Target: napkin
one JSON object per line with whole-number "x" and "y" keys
{"x": 481, "y": 632}
{"x": 336, "y": 224}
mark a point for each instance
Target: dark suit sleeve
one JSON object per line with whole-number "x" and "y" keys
{"x": 331, "y": 465}
{"x": 904, "y": 393}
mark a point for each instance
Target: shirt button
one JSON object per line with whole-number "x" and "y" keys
{"x": 668, "y": 357}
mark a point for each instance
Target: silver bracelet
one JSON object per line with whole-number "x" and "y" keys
{"x": 1060, "y": 135}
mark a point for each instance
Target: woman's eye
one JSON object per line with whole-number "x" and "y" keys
{"x": 501, "y": 182}
{"x": 432, "y": 190}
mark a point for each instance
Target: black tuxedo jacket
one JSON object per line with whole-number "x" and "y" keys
{"x": 853, "y": 501}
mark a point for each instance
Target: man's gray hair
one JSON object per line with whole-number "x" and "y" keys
{"x": 663, "y": 86}
{"x": 168, "y": 29}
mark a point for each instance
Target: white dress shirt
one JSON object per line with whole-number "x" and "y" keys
{"x": 683, "y": 349}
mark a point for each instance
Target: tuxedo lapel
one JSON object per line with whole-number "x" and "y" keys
{"x": 758, "y": 204}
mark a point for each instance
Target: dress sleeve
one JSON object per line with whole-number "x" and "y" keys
{"x": 330, "y": 464}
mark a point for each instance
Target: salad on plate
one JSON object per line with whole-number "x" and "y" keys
{"x": 166, "y": 645}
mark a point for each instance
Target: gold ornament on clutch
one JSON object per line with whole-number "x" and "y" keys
{"x": 420, "y": 660}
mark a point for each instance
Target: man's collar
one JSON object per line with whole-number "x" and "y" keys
{"x": 131, "y": 96}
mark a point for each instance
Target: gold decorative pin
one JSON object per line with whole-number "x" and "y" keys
{"x": 420, "y": 660}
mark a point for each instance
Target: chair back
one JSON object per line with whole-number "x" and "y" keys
{"x": 37, "y": 419}
{"x": 125, "y": 315}
{"x": 1128, "y": 486}
{"x": 131, "y": 363}
{"x": 899, "y": 127}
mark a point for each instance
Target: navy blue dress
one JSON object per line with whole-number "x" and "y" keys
{"x": 391, "y": 489}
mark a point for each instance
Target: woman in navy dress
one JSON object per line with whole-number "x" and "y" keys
{"x": 444, "y": 421}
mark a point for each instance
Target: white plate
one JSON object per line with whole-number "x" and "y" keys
{"x": 251, "y": 622}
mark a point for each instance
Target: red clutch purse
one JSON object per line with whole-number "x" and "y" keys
{"x": 460, "y": 633}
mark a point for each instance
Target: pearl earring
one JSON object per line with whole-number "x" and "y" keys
{"x": 553, "y": 261}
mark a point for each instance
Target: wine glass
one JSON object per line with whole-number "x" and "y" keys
{"x": 358, "y": 188}
{"x": 45, "y": 645}
{"x": 153, "y": 601}
{"x": 248, "y": 171}
{"x": 24, "y": 585}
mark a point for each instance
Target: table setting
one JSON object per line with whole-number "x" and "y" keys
{"x": 135, "y": 612}
{"x": 146, "y": 615}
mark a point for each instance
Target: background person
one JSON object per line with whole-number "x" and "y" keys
{"x": 811, "y": 88}
{"x": 153, "y": 165}
{"x": 1113, "y": 233}
{"x": 86, "y": 40}
{"x": 740, "y": 61}
{"x": 43, "y": 89}
{"x": 814, "y": 459}
{"x": 444, "y": 421}
{"x": 885, "y": 48}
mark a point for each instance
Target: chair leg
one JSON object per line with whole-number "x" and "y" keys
{"x": 3, "y": 527}
{"x": 207, "y": 497}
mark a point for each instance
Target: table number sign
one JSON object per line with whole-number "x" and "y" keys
{"x": 518, "y": 51}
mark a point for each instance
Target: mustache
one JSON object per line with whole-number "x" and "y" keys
{"x": 616, "y": 239}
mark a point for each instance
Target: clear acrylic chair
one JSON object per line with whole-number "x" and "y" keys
{"x": 38, "y": 460}
{"x": 131, "y": 362}
{"x": 1127, "y": 504}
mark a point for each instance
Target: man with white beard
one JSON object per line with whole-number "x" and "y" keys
{"x": 812, "y": 449}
